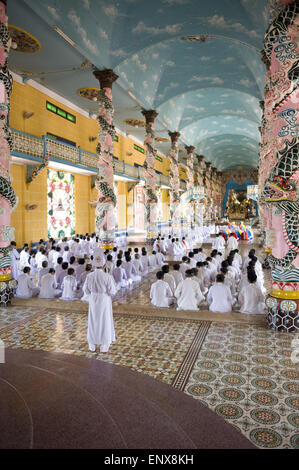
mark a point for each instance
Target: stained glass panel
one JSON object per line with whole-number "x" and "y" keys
{"x": 61, "y": 211}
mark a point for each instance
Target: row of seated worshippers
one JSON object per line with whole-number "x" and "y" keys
{"x": 221, "y": 284}
{"x": 53, "y": 276}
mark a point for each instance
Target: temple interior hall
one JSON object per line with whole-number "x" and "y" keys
{"x": 149, "y": 230}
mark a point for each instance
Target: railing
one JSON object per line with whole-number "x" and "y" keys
{"x": 36, "y": 148}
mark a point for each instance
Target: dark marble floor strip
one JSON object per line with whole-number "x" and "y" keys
{"x": 186, "y": 367}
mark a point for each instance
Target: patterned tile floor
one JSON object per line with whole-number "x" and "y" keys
{"x": 152, "y": 346}
{"x": 244, "y": 373}
{"x": 241, "y": 371}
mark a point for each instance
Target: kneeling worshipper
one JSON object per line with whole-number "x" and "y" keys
{"x": 26, "y": 288}
{"x": 219, "y": 297}
{"x": 119, "y": 275}
{"x": 69, "y": 286}
{"x": 48, "y": 286}
{"x": 188, "y": 293}
{"x": 251, "y": 298}
{"x": 160, "y": 293}
{"x": 100, "y": 286}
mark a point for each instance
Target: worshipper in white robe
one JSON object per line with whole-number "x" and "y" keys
{"x": 66, "y": 254}
{"x": 42, "y": 271}
{"x": 229, "y": 282}
{"x": 201, "y": 256}
{"x": 24, "y": 258}
{"x": 26, "y": 287}
{"x": 219, "y": 297}
{"x": 40, "y": 257}
{"x": 69, "y": 286}
{"x": 137, "y": 264}
{"x": 163, "y": 246}
{"x": 130, "y": 269}
{"x": 177, "y": 275}
{"x": 212, "y": 268}
{"x": 51, "y": 254}
{"x": 160, "y": 258}
{"x": 120, "y": 277}
{"x": 32, "y": 263}
{"x": 152, "y": 261}
{"x": 100, "y": 286}
{"x": 192, "y": 260}
{"x": 109, "y": 264}
{"x": 157, "y": 244}
{"x": 88, "y": 268}
{"x": 48, "y": 287}
{"x": 80, "y": 268}
{"x": 184, "y": 265}
{"x": 198, "y": 278}
{"x": 97, "y": 250}
{"x": 251, "y": 298}
{"x": 144, "y": 262}
{"x": 203, "y": 276}
{"x": 62, "y": 243}
{"x": 15, "y": 260}
{"x": 232, "y": 243}
{"x": 168, "y": 278}
{"x": 61, "y": 275}
{"x": 160, "y": 293}
{"x": 188, "y": 293}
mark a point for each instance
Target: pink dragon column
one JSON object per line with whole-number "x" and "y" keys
{"x": 208, "y": 190}
{"x": 174, "y": 183}
{"x": 106, "y": 202}
{"x": 8, "y": 199}
{"x": 150, "y": 175}
{"x": 279, "y": 164}
{"x": 190, "y": 181}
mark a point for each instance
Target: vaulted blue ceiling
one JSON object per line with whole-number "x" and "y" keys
{"x": 208, "y": 89}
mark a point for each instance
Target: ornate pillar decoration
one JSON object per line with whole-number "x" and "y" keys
{"x": 213, "y": 191}
{"x": 190, "y": 181}
{"x": 106, "y": 202}
{"x": 8, "y": 199}
{"x": 199, "y": 206}
{"x": 150, "y": 174}
{"x": 279, "y": 166}
{"x": 174, "y": 183}
{"x": 207, "y": 183}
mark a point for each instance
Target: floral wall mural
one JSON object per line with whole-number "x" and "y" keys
{"x": 61, "y": 210}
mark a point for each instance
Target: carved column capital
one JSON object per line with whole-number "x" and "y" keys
{"x": 150, "y": 115}
{"x": 174, "y": 136}
{"x": 190, "y": 148}
{"x": 106, "y": 77}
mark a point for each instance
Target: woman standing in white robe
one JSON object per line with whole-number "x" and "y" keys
{"x": 48, "y": 286}
{"x": 15, "y": 261}
{"x": 100, "y": 286}
{"x": 24, "y": 258}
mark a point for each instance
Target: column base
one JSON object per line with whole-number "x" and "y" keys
{"x": 107, "y": 245}
{"x": 283, "y": 314}
{"x": 7, "y": 289}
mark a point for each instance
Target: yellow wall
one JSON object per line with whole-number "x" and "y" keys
{"x": 26, "y": 98}
{"x": 31, "y": 225}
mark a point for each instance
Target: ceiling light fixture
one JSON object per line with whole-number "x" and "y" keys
{"x": 62, "y": 34}
{"x": 27, "y": 114}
